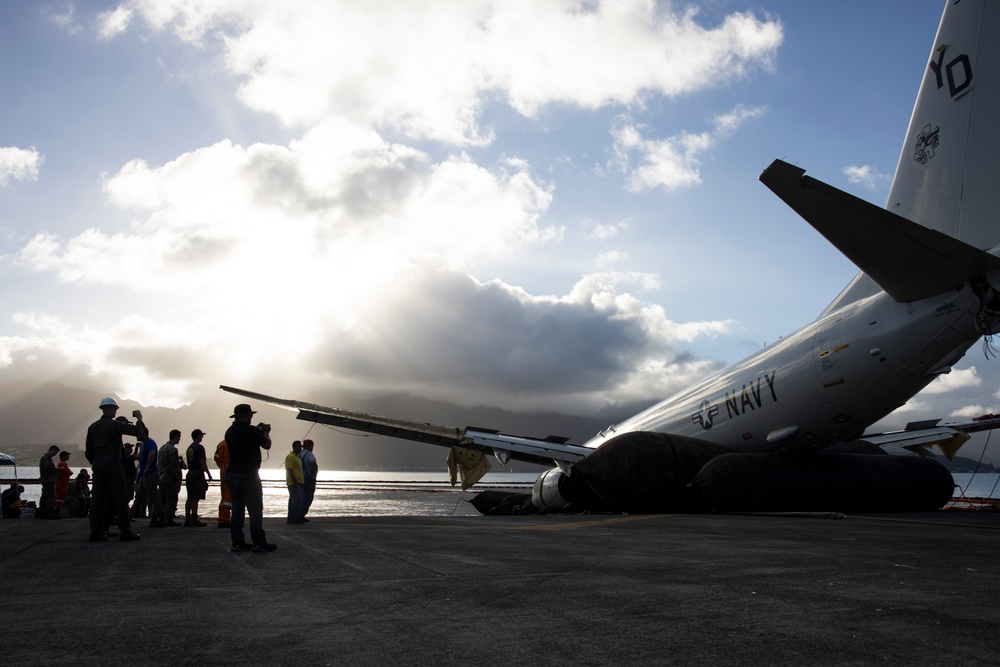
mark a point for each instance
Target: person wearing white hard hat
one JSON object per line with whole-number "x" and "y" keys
{"x": 103, "y": 450}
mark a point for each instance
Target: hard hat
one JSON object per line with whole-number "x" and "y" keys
{"x": 108, "y": 401}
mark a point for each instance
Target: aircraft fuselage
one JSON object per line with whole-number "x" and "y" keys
{"x": 824, "y": 383}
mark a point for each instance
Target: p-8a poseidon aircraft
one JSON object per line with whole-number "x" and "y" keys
{"x": 785, "y": 428}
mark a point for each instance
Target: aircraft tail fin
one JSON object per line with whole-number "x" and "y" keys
{"x": 946, "y": 176}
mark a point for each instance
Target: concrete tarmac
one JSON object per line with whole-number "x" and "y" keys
{"x": 563, "y": 590}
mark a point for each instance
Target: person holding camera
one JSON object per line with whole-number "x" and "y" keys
{"x": 103, "y": 450}
{"x": 243, "y": 479}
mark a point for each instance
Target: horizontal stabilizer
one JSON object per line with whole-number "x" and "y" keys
{"x": 910, "y": 262}
{"x": 530, "y": 450}
{"x": 919, "y": 436}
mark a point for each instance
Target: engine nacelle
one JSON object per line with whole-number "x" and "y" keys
{"x": 545, "y": 494}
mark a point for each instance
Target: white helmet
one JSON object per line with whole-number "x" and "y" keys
{"x": 108, "y": 401}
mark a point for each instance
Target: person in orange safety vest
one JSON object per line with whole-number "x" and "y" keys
{"x": 225, "y": 505}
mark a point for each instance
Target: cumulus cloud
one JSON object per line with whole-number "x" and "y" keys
{"x": 637, "y": 279}
{"x": 348, "y": 257}
{"x": 611, "y": 257}
{"x": 954, "y": 381}
{"x": 341, "y": 258}
{"x": 427, "y": 68}
{"x": 513, "y": 348}
{"x": 19, "y": 164}
{"x": 975, "y": 410}
{"x": 958, "y": 395}
{"x": 113, "y": 22}
{"x": 339, "y": 197}
{"x": 866, "y": 176}
{"x": 430, "y": 329}
{"x": 50, "y": 347}
{"x": 66, "y": 19}
{"x": 607, "y": 231}
{"x": 674, "y": 162}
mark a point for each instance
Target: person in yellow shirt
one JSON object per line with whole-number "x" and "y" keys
{"x": 296, "y": 483}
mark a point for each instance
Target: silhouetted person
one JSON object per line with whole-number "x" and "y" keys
{"x": 78, "y": 497}
{"x": 64, "y": 474}
{"x": 243, "y": 477}
{"x": 12, "y": 502}
{"x": 197, "y": 484}
{"x": 296, "y": 483}
{"x": 48, "y": 476}
{"x": 171, "y": 464}
{"x": 149, "y": 480}
{"x": 310, "y": 469}
{"x": 226, "y": 502}
{"x": 104, "y": 452}
{"x": 129, "y": 461}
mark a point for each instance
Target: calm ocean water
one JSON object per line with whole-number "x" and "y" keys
{"x": 980, "y": 485}
{"x": 389, "y": 493}
{"x": 421, "y": 493}
{"x": 350, "y": 493}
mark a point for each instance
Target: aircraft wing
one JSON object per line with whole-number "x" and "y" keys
{"x": 918, "y": 437}
{"x": 551, "y": 450}
{"x": 909, "y": 261}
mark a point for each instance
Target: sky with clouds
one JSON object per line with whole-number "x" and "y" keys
{"x": 543, "y": 205}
